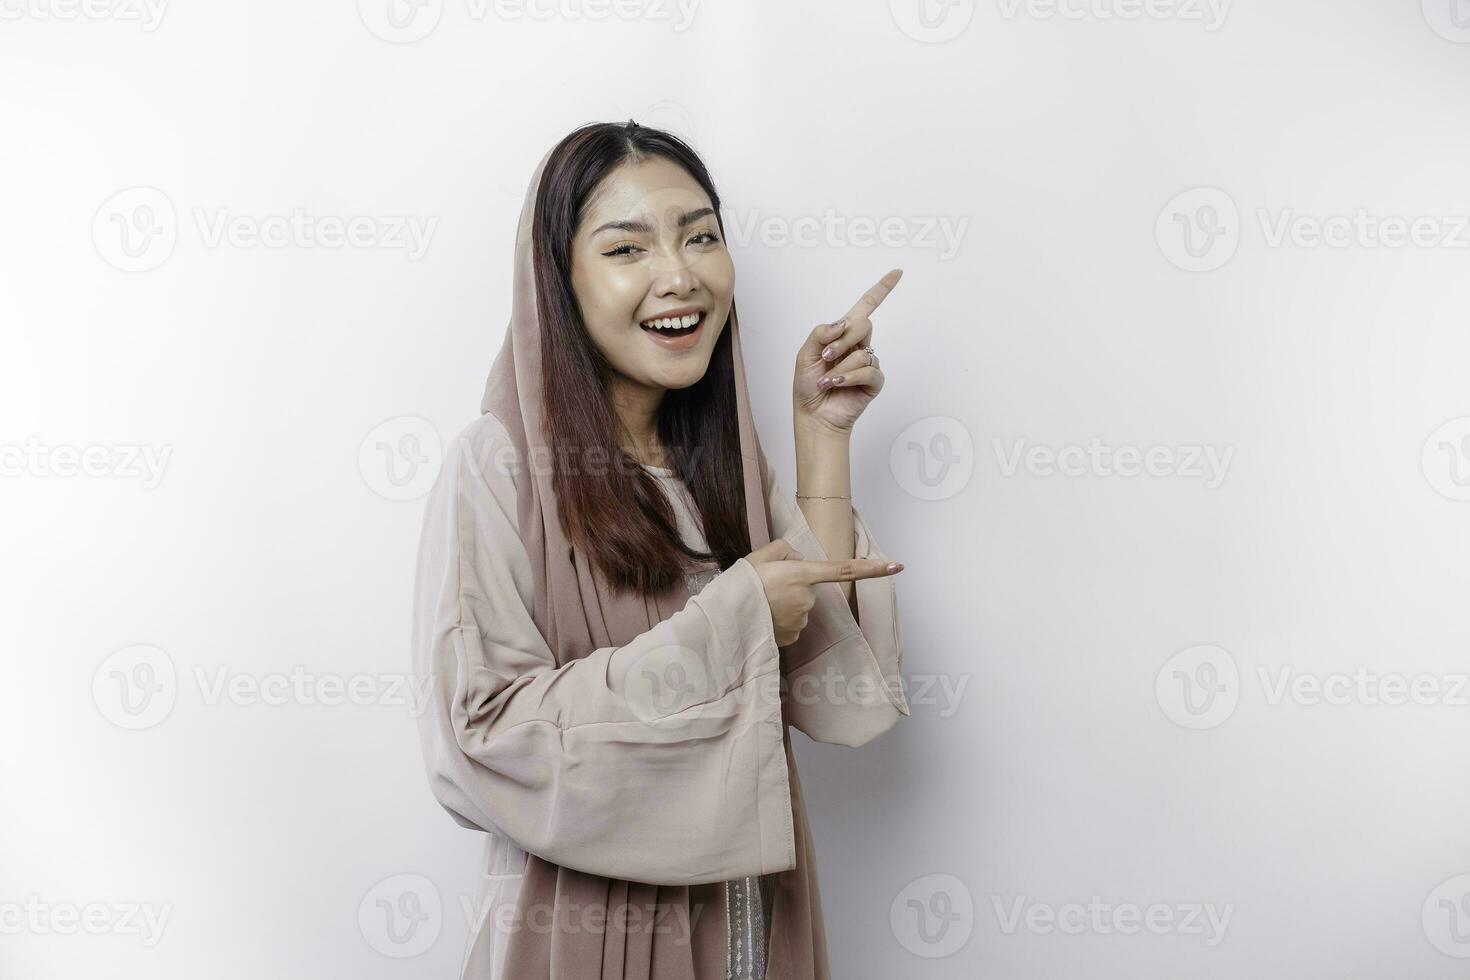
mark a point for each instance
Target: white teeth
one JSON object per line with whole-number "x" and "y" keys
{"x": 677, "y": 323}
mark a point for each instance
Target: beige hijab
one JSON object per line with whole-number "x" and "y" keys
{"x": 577, "y": 613}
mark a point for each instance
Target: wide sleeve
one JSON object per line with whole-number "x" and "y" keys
{"x": 660, "y": 761}
{"x": 843, "y": 676}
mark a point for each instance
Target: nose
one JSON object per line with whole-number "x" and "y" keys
{"x": 674, "y": 277}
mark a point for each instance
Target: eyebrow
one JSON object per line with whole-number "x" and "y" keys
{"x": 642, "y": 227}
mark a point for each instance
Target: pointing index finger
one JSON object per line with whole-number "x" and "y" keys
{"x": 843, "y": 571}
{"x": 876, "y": 295}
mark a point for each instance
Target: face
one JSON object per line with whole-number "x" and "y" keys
{"x": 649, "y": 249}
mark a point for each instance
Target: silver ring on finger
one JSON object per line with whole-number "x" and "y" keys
{"x": 872, "y": 357}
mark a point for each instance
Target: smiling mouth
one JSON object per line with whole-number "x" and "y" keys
{"x": 671, "y": 327}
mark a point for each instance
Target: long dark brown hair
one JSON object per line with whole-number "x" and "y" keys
{"x": 615, "y": 512}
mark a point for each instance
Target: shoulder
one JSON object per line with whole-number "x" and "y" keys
{"x": 482, "y": 459}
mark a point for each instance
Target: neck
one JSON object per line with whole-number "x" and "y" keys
{"x": 637, "y": 410}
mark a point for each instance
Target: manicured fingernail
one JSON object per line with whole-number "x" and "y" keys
{"x": 834, "y": 327}
{"x": 839, "y": 379}
{"x": 895, "y": 566}
{"x": 824, "y": 383}
{"x": 829, "y": 353}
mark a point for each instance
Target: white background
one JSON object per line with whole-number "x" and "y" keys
{"x": 1058, "y": 752}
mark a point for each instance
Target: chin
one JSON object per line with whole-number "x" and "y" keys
{"x": 679, "y": 373}
{"x": 681, "y": 379}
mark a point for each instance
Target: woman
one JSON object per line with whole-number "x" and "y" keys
{"x": 619, "y": 614}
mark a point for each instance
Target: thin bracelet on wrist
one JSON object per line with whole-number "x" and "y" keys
{"x": 817, "y": 496}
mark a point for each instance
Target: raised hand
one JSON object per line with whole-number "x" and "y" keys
{"x": 834, "y": 380}
{"x": 790, "y": 582}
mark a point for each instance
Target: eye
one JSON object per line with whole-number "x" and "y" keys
{"x": 709, "y": 237}
{"x": 624, "y": 249}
